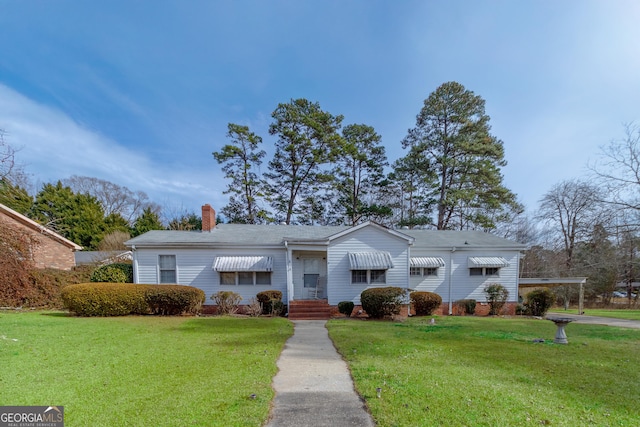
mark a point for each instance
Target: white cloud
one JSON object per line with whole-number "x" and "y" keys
{"x": 54, "y": 147}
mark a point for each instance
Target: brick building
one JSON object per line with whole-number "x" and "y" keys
{"x": 52, "y": 250}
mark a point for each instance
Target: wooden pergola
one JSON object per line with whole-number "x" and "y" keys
{"x": 550, "y": 282}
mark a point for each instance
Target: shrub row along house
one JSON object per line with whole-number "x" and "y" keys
{"x": 328, "y": 264}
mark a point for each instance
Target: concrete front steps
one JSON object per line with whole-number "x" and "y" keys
{"x": 317, "y": 309}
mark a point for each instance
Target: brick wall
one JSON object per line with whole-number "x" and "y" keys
{"x": 48, "y": 253}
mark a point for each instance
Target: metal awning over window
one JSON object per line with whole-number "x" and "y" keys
{"x": 487, "y": 261}
{"x": 370, "y": 260}
{"x": 427, "y": 262}
{"x": 243, "y": 263}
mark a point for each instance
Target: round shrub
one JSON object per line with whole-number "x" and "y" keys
{"x": 346, "y": 307}
{"x": 113, "y": 299}
{"x": 381, "y": 302}
{"x": 425, "y": 303}
{"x": 539, "y": 301}
{"x": 113, "y": 273}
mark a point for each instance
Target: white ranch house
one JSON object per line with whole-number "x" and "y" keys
{"x": 329, "y": 264}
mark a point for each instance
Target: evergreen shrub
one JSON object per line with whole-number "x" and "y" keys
{"x": 497, "y": 296}
{"x": 466, "y": 306}
{"x": 425, "y": 303}
{"x": 538, "y": 302}
{"x": 267, "y": 298}
{"x": 171, "y": 300}
{"x": 346, "y": 307}
{"x": 113, "y": 273}
{"x": 381, "y": 302}
{"x": 114, "y": 299}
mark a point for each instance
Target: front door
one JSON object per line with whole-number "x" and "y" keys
{"x": 312, "y": 280}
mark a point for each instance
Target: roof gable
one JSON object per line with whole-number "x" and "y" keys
{"x": 358, "y": 227}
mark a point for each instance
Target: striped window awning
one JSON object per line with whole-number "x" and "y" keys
{"x": 370, "y": 260}
{"x": 427, "y": 262}
{"x": 487, "y": 261}
{"x": 243, "y": 263}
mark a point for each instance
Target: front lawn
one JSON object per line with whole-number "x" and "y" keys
{"x": 472, "y": 371}
{"x": 140, "y": 371}
{"x": 620, "y": 313}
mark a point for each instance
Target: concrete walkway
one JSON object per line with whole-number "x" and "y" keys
{"x": 595, "y": 320}
{"x": 314, "y": 385}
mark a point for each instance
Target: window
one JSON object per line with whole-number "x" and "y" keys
{"x": 378, "y": 276}
{"x": 227, "y": 278}
{"x": 311, "y": 280}
{"x": 492, "y": 271}
{"x": 431, "y": 271}
{"x": 484, "y": 271}
{"x": 263, "y": 278}
{"x": 368, "y": 276}
{"x": 415, "y": 271}
{"x": 167, "y": 267}
{"x": 359, "y": 276}
{"x": 245, "y": 278}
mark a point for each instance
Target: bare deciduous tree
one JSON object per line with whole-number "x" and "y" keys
{"x": 114, "y": 198}
{"x": 569, "y": 210}
{"x": 619, "y": 169}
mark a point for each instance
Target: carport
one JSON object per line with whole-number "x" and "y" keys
{"x": 550, "y": 282}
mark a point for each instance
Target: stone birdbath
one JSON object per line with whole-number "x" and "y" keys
{"x": 561, "y": 322}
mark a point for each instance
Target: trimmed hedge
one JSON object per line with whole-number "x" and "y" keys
{"x": 113, "y": 273}
{"x": 172, "y": 300}
{"x": 381, "y": 302}
{"x": 113, "y": 299}
{"x": 425, "y": 303}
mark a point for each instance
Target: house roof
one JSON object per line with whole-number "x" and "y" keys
{"x": 250, "y": 235}
{"x": 29, "y": 223}
{"x": 466, "y": 240}
{"x": 236, "y": 235}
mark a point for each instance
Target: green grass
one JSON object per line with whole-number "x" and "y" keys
{"x": 470, "y": 371}
{"x": 141, "y": 371}
{"x": 621, "y": 313}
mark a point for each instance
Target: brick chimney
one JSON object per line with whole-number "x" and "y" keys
{"x": 208, "y": 218}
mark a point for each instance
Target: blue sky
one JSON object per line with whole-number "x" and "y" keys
{"x": 140, "y": 92}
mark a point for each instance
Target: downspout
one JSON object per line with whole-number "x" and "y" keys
{"x": 289, "y": 274}
{"x": 135, "y": 264}
{"x": 453, "y": 249}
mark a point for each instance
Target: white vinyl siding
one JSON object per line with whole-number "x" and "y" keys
{"x": 464, "y": 284}
{"x": 195, "y": 268}
{"x": 368, "y": 239}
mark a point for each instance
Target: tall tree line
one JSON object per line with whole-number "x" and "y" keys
{"x": 324, "y": 173}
